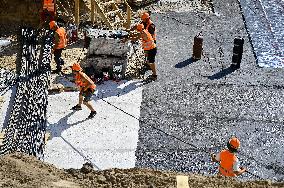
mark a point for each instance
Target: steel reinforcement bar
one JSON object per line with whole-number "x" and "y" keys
{"x": 25, "y": 130}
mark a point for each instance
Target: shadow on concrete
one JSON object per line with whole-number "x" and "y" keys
{"x": 111, "y": 88}
{"x": 185, "y": 63}
{"x": 56, "y": 129}
{"x": 222, "y": 73}
{"x": 10, "y": 107}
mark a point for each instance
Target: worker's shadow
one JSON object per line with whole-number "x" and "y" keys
{"x": 223, "y": 73}
{"x": 111, "y": 88}
{"x": 56, "y": 129}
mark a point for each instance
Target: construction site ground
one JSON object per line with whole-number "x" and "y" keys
{"x": 192, "y": 107}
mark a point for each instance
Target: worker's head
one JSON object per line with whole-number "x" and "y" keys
{"x": 234, "y": 144}
{"x": 76, "y": 67}
{"x": 140, "y": 27}
{"x": 52, "y": 25}
{"x": 145, "y": 17}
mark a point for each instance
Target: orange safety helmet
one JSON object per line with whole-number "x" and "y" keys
{"x": 76, "y": 67}
{"x": 145, "y": 16}
{"x": 235, "y": 142}
{"x": 140, "y": 27}
{"x": 52, "y": 24}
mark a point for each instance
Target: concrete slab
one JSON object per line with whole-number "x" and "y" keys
{"x": 108, "y": 140}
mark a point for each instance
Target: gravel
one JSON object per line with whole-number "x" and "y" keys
{"x": 204, "y": 103}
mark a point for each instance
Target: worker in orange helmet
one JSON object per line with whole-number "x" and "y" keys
{"x": 60, "y": 42}
{"x": 149, "y": 25}
{"x": 149, "y": 46}
{"x": 86, "y": 87}
{"x": 228, "y": 162}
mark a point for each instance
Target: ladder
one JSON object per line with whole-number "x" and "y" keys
{"x": 111, "y": 14}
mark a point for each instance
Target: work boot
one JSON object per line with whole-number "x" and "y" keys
{"x": 154, "y": 77}
{"x": 77, "y": 107}
{"x": 92, "y": 114}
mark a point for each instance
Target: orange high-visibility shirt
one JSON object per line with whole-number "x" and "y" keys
{"x": 227, "y": 160}
{"x": 154, "y": 36}
{"x": 49, "y": 5}
{"x": 147, "y": 40}
{"x": 62, "y": 38}
{"x": 82, "y": 80}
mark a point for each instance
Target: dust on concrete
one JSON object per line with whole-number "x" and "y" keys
{"x": 19, "y": 170}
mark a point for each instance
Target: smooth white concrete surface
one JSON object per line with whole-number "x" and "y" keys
{"x": 109, "y": 140}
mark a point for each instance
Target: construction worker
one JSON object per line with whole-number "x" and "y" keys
{"x": 149, "y": 47}
{"x": 48, "y": 12}
{"x": 86, "y": 87}
{"x": 228, "y": 162}
{"x": 149, "y": 25}
{"x": 60, "y": 42}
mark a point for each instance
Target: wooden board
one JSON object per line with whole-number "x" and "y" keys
{"x": 182, "y": 182}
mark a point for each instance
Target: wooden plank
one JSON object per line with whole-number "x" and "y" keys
{"x": 114, "y": 6}
{"x": 129, "y": 14}
{"x": 77, "y": 12}
{"x": 2, "y": 135}
{"x": 103, "y": 16}
{"x": 182, "y": 182}
{"x": 92, "y": 11}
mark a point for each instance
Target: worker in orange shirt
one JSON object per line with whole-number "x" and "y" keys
{"x": 149, "y": 25}
{"x": 149, "y": 46}
{"x": 60, "y": 42}
{"x": 86, "y": 87}
{"x": 228, "y": 162}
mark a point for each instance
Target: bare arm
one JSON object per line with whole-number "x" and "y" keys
{"x": 132, "y": 36}
{"x": 213, "y": 158}
{"x": 241, "y": 171}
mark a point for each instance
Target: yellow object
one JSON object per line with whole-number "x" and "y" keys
{"x": 182, "y": 182}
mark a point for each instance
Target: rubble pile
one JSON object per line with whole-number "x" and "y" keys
{"x": 18, "y": 170}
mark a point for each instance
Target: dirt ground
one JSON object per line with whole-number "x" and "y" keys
{"x": 18, "y": 170}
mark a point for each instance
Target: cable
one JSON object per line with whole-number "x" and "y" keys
{"x": 167, "y": 134}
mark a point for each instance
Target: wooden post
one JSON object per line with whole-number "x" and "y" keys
{"x": 77, "y": 10}
{"x": 102, "y": 15}
{"x": 92, "y": 11}
{"x": 128, "y": 22}
{"x": 129, "y": 15}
